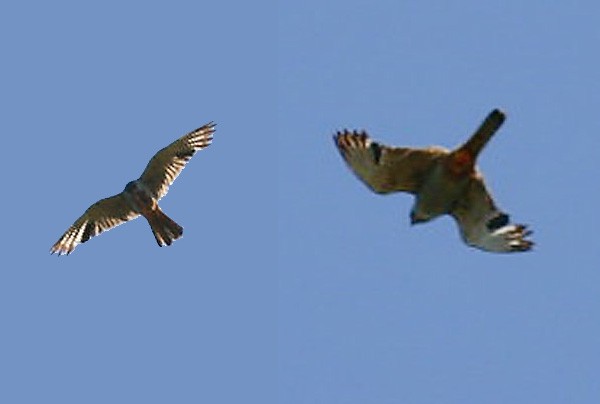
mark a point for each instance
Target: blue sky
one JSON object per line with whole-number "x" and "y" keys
{"x": 293, "y": 283}
{"x": 374, "y": 311}
{"x": 90, "y": 93}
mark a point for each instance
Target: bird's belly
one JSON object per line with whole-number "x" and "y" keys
{"x": 438, "y": 196}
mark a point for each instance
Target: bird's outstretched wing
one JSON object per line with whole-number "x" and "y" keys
{"x": 103, "y": 215}
{"x": 166, "y": 165}
{"x": 386, "y": 169}
{"x": 484, "y": 226}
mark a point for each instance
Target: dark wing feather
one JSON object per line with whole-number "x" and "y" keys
{"x": 386, "y": 169}
{"x": 484, "y": 226}
{"x": 101, "y": 216}
{"x": 166, "y": 165}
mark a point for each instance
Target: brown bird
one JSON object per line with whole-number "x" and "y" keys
{"x": 140, "y": 197}
{"x": 443, "y": 182}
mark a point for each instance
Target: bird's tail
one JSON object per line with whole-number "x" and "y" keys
{"x": 164, "y": 228}
{"x": 482, "y": 135}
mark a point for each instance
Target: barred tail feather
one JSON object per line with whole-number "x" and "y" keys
{"x": 164, "y": 228}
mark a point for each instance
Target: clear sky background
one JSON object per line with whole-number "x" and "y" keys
{"x": 293, "y": 283}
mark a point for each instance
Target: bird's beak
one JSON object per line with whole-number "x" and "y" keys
{"x": 415, "y": 219}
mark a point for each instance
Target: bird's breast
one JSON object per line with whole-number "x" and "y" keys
{"x": 438, "y": 193}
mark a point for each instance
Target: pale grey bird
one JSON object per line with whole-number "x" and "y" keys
{"x": 443, "y": 182}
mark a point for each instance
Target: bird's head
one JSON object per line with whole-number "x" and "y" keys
{"x": 131, "y": 185}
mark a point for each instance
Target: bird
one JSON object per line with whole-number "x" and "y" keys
{"x": 140, "y": 197}
{"x": 443, "y": 182}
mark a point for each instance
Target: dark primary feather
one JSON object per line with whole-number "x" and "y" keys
{"x": 101, "y": 216}
{"x": 164, "y": 167}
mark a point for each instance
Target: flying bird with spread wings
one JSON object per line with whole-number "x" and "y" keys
{"x": 140, "y": 197}
{"x": 443, "y": 182}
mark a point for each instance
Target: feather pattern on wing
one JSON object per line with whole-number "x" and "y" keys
{"x": 101, "y": 216}
{"x": 168, "y": 163}
{"x": 484, "y": 226}
{"x": 386, "y": 169}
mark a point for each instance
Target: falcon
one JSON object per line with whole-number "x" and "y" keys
{"x": 443, "y": 182}
{"x": 140, "y": 197}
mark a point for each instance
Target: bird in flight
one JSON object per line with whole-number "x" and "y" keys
{"x": 443, "y": 182}
{"x": 140, "y": 197}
